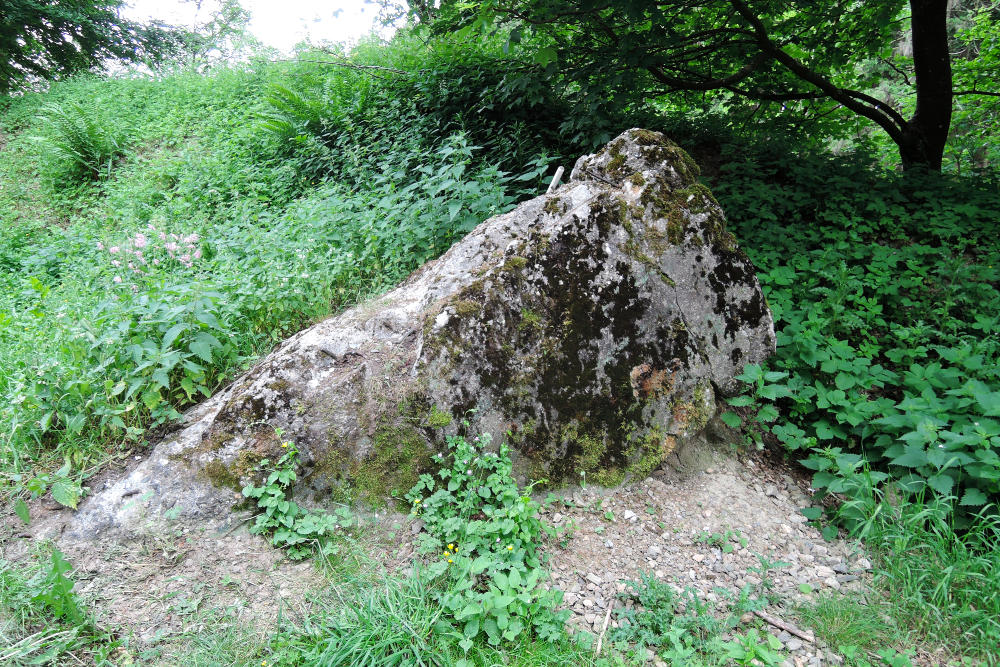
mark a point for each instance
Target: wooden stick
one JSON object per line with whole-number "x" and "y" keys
{"x": 607, "y": 616}
{"x": 782, "y": 625}
{"x": 555, "y": 180}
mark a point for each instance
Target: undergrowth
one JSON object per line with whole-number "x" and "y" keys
{"x": 130, "y": 297}
{"x": 885, "y": 290}
{"x": 159, "y": 234}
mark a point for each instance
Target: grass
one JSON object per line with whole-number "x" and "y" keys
{"x": 944, "y": 583}
{"x": 41, "y": 620}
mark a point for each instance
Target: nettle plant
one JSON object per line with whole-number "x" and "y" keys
{"x": 301, "y": 531}
{"x": 483, "y": 535}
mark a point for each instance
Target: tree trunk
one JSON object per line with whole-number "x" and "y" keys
{"x": 923, "y": 139}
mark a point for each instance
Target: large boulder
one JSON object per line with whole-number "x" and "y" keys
{"x": 590, "y": 328}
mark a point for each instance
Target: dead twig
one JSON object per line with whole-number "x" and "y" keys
{"x": 607, "y": 616}
{"x": 782, "y": 625}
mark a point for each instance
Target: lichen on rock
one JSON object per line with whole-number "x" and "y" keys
{"x": 592, "y": 328}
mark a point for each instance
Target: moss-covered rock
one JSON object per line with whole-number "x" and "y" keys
{"x": 591, "y": 327}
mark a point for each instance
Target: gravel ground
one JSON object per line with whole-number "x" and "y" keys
{"x": 706, "y": 529}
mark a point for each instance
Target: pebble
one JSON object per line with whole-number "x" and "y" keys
{"x": 659, "y": 529}
{"x": 822, "y": 571}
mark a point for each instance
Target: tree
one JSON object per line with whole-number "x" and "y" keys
{"x": 49, "y": 39}
{"x": 794, "y": 54}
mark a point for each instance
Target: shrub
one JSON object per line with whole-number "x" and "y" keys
{"x": 78, "y": 143}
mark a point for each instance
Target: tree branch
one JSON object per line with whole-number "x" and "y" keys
{"x": 710, "y": 84}
{"x": 976, "y": 92}
{"x": 849, "y": 99}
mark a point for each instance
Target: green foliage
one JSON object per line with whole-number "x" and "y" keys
{"x": 65, "y": 489}
{"x": 941, "y": 581}
{"x": 685, "y": 630}
{"x": 55, "y": 591}
{"x": 391, "y": 621}
{"x": 189, "y": 261}
{"x": 488, "y": 535}
{"x": 753, "y": 649}
{"x": 884, "y": 297}
{"x": 42, "y": 621}
{"x": 418, "y": 93}
{"x": 77, "y": 144}
{"x": 885, "y": 291}
{"x": 727, "y": 540}
{"x": 301, "y": 531}
{"x": 35, "y": 43}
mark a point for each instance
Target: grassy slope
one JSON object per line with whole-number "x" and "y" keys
{"x": 238, "y": 250}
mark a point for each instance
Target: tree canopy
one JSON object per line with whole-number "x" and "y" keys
{"x": 807, "y": 55}
{"x": 49, "y": 39}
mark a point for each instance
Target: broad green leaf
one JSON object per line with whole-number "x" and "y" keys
{"x": 941, "y": 483}
{"x": 913, "y": 456}
{"x": 172, "y": 334}
{"x": 973, "y": 497}
{"x": 66, "y": 493}
{"x": 21, "y": 509}
{"x": 202, "y": 349}
{"x": 811, "y": 513}
{"x": 545, "y": 56}
{"x": 767, "y": 413}
{"x": 731, "y": 419}
{"x": 471, "y": 609}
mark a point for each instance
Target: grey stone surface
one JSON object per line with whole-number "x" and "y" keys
{"x": 590, "y": 328}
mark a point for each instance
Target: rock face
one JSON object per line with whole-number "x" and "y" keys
{"x": 590, "y": 328}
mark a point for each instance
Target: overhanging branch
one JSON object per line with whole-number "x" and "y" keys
{"x": 853, "y": 100}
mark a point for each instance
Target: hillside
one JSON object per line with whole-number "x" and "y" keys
{"x": 162, "y": 233}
